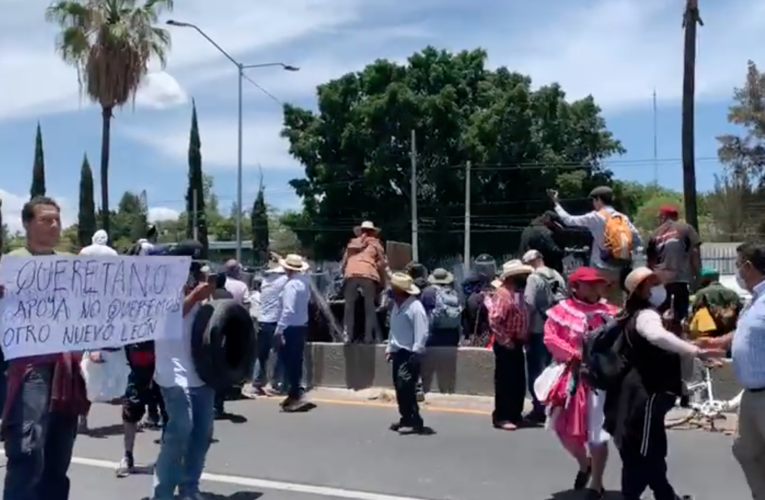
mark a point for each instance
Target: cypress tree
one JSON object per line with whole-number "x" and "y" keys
{"x": 3, "y": 231}
{"x": 38, "y": 169}
{"x": 195, "y": 192}
{"x": 86, "y": 218}
{"x": 259, "y": 221}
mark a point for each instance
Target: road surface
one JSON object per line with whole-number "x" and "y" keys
{"x": 342, "y": 451}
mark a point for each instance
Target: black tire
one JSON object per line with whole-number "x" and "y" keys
{"x": 223, "y": 343}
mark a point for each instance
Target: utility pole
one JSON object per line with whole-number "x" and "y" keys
{"x": 655, "y": 141}
{"x": 413, "y": 197}
{"x": 195, "y": 215}
{"x": 466, "y": 250}
{"x": 691, "y": 20}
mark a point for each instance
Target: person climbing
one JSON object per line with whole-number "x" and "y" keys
{"x": 541, "y": 235}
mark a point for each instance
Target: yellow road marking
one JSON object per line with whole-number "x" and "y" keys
{"x": 379, "y": 404}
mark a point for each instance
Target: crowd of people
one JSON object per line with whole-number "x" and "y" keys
{"x": 599, "y": 350}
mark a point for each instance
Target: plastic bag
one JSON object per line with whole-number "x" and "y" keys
{"x": 546, "y": 380}
{"x": 106, "y": 381}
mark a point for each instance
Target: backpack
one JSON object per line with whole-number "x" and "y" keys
{"x": 617, "y": 238}
{"x": 604, "y": 353}
{"x": 448, "y": 311}
{"x": 554, "y": 290}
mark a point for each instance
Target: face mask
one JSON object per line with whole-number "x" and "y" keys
{"x": 657, "y": 296}
{"x": 740, "y": 280}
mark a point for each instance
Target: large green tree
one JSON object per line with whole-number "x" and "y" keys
{"x": 38, "y": 168}
{"x": 86, "y": 217}
{"x": 195, "y": 194}
{"x": 356, "y": 152}
{"x": 259, "y": 223}
{"x": 110, "y": 43}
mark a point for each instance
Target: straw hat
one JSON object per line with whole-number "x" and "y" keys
{"x": 636, "y": 277}
{"x": 496, "y": 284}
{"x": 274, "y": 268}
{"x": 404, "y": 282}
{"x": 366, "y": 226}
{"x": 441, "y": 276}
{"x": 294, "y": 262}
{"x": 514, "y": 268}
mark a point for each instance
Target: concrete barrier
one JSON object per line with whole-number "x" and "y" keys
{"x": 464, "y": 370}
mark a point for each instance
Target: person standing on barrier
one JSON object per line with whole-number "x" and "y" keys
{"x": 364, "y": 268}
{"x": 188, "y": 400}
{"x": 46, "y": 394}
{"x": 292, "y": 327}
{"x": 406, "y": 345}
{"x": 270, "y": 307}
{"x": 747, "y": 344}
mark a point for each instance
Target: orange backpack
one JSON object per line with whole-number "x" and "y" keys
{"x": 617, "y": 238}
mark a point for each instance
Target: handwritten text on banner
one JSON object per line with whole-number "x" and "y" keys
{"x": 72, "y": 303}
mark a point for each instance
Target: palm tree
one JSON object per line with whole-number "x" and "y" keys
{"x": 110, "y": 43}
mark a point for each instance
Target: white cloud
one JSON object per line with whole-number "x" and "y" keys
{"x": 620, "y": 50}
{"x": 13, "y": 203}
{"x": 160, "y": 91}
{"x": 157, "y": 214}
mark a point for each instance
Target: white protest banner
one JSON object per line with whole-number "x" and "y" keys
{"x": 60, "y": 303}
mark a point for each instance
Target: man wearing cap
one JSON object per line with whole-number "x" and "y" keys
{"x": 508, "y": 322}
{"x": 292, "y": 327}
{"x": 597, "y": 221}
{"x": 406, "y": 345}
{"x": 544, "y": 289}
{"x": 540, "y": 236}
{"x": 673, "y": 253}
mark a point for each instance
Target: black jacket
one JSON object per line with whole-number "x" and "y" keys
{"x": 541, "y": 238}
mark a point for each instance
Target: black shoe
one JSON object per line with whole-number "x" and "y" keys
{"x": 582, "y": 478}
{"x": 395, "y": 426}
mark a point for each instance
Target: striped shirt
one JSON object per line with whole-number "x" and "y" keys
{"x": 748, "y": 349}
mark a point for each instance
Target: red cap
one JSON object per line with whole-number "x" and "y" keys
{"x": 586, "y": 275}
{"x": 668, "y": 210}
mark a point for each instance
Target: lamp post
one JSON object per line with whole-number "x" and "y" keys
{"x": 240, "y": 69}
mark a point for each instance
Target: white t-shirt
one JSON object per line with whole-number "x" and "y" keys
{"x": 174, "y": 364}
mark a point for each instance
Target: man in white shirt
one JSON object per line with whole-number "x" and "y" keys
{"x": 269, "y": 310}
{"x": 292, "y": 327}
{"x": 235, "y": 285}
{"x": 188, "y": 401}
{"x": 406, "y": 345}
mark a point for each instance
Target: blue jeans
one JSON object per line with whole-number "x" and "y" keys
{"x": 265, "y": 345}
{"x": 186, "y": 439}
{"x": 38, "y": 442}
{"x": 293, "y": 352}
{"x": 537, "y": 359}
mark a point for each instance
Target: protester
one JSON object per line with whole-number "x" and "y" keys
{"x": 475, "y": 316}
{"x": 544, "y": 289}
{"x": 614, "y": 237}
{"x": 271, "y": 288}
{"x": 100, "y": 245}
{"x": 747, "y": 344}
{"x": 234, "y": 284}
{"x": 636, "y": 408}
{"x": 221, "y": 292}
{"x": 292, "y": 327}
{"x": 45, "y": 394}
{"x": 508, "y": 321}
{"x": 406, "y": 345}
{"x": 444, "y": 309}
{"x": 419, "y": 274}
{"x": 364, "y": 268}
{"x": 673, "y": 253}
{"x": 715, "y": 308}
{"x": 188, "y": 400}
{"x": 575, "y": 408}
{"x": 541, "y": 236}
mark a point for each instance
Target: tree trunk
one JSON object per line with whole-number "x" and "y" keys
{"x": 690, "y": 20}
{"x": 106, "y": 129}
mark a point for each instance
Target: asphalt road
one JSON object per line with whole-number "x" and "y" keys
{"x": 347, "y": 452}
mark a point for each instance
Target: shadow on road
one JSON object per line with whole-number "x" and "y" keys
{"x": 582, "y": 495}
{"x": 239, "y": 495}
{"x": 105, "y": 431}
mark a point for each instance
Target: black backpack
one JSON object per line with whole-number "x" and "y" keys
{"x": 605, "y": 353}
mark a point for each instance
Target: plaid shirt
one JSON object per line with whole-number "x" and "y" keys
{"x": 508, "y": 317}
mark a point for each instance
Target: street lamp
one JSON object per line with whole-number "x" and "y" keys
{"x": 240, "y": 68}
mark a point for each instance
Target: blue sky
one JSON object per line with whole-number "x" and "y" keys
{"x": 618, "y": 50}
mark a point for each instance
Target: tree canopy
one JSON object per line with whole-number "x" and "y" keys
{"x": 356, "y": 151}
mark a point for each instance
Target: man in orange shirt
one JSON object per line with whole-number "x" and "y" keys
{"x": 364, "y": 271}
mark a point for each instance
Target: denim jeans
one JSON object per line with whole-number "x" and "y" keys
{"x": 186, "y": 439}
{"x": 537, "y": 359}
{"x": 38, "y": 443}
{"x": 293, "y": 352}
{"x": 265, "y": 345}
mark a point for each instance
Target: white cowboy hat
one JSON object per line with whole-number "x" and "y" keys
{"x": 366, "y": 225}
{"x": 514, "y": 268}
{"x": 441, "y": 276}
{"x": 404, "y": 282}
{"x": 294, "y": 262}
{"x": 636, "y": 277}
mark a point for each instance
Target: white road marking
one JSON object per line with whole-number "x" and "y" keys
{"x": 266, "y": 484}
